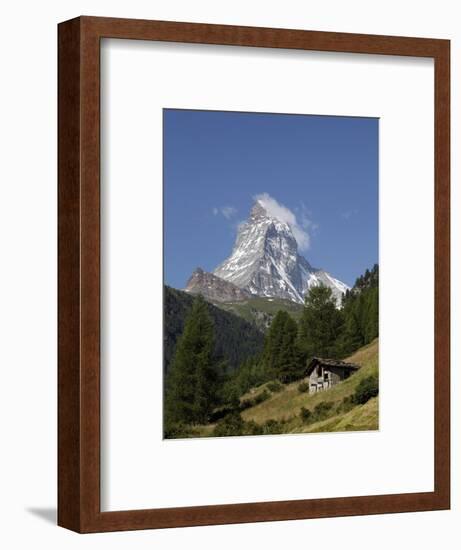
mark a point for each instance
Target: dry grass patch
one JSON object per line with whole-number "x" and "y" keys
{"x": 287, "y": 404}
{"x": 362, "y": 418}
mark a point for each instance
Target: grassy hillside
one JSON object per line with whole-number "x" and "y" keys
{"x": 265, "y": 393}
{"x": 281, "y": 411}
{"x": 260, "y": 310}
{"x": 285, "y": 405}
{"x": 361, "y": 418}
{"x": 332, "y": 410}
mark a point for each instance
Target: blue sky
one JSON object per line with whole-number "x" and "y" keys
{"x": 323, "y": 169}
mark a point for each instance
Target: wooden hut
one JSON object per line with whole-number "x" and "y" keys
{"x": 323, "y": 374}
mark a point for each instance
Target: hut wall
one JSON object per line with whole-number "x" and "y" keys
{"x": 336, "y": 374}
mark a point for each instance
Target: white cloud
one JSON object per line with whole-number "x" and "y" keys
{"x": 228, "y": 211}
{"x": 306, "y": 221}
{"x": 349, "y": 213}
{"x": 285, "y": 215}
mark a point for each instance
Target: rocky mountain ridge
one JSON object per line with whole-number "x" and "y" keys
{"x": 214, "y": 288}
{"x": 264, "y": 262}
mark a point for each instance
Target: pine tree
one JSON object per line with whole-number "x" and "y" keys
{"x": 321, "y": 324}
{"x": 280, "y": 356}
{"x": 352, "y": 335}
{"x": 191, "y": 382}
{"x": 361, "y": 312}
{"x": 371, "y": 328}
{"x": 273, "y": 344}
{"x": 288, "y": 367}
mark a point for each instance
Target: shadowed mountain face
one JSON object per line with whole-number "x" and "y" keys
{"x": 265, "y": 261}
{"x": 214, "y": 288}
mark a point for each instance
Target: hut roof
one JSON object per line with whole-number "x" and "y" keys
{"x": 319, "y": 361}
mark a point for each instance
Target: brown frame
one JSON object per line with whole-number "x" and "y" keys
{"x": 79, "y": 285}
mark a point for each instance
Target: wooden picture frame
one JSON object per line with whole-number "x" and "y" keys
{"x": 79, "y": 274}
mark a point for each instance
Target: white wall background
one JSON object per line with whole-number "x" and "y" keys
{"x": 28, "y": 272}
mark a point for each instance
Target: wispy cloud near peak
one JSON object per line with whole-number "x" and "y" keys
{"x": 227, "y": 211}
{"x": 284, "y": 214}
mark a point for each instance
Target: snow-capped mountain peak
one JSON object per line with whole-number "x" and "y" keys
{"x": 265, "y": 261}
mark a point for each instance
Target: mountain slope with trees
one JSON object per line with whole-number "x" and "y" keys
{"x": 235, "y": 339}
{"x": 269, "y": 409}
{"x": 202, "y": 389}
{"x": 360, "y": 309}
{"x": 192, "y": 380}
{"x": 288, "y": 403}
{"x": 260, "y": 310}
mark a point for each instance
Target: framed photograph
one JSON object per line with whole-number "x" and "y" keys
{"x": 254, "y": 266}
{"x": 253, "y": 342}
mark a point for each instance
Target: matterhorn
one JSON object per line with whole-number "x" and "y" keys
{"x": 265, "y": 262}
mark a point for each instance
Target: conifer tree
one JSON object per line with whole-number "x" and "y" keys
{"x": 273, "y": 344}
{"x": 280, "y": 357}
{"x": 352, "y": 336}
{"x": 191, "y": 382}
{"x": 289, "y": 364}
{"x": 321, "y": 324}
{"x": 371, "y": 328}
{"x": 361, "y": 312}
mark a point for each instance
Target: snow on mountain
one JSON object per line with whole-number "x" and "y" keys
{"x": 265, "y": 261}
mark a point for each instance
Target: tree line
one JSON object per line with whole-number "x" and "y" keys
{"x": 197, "y": 383}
